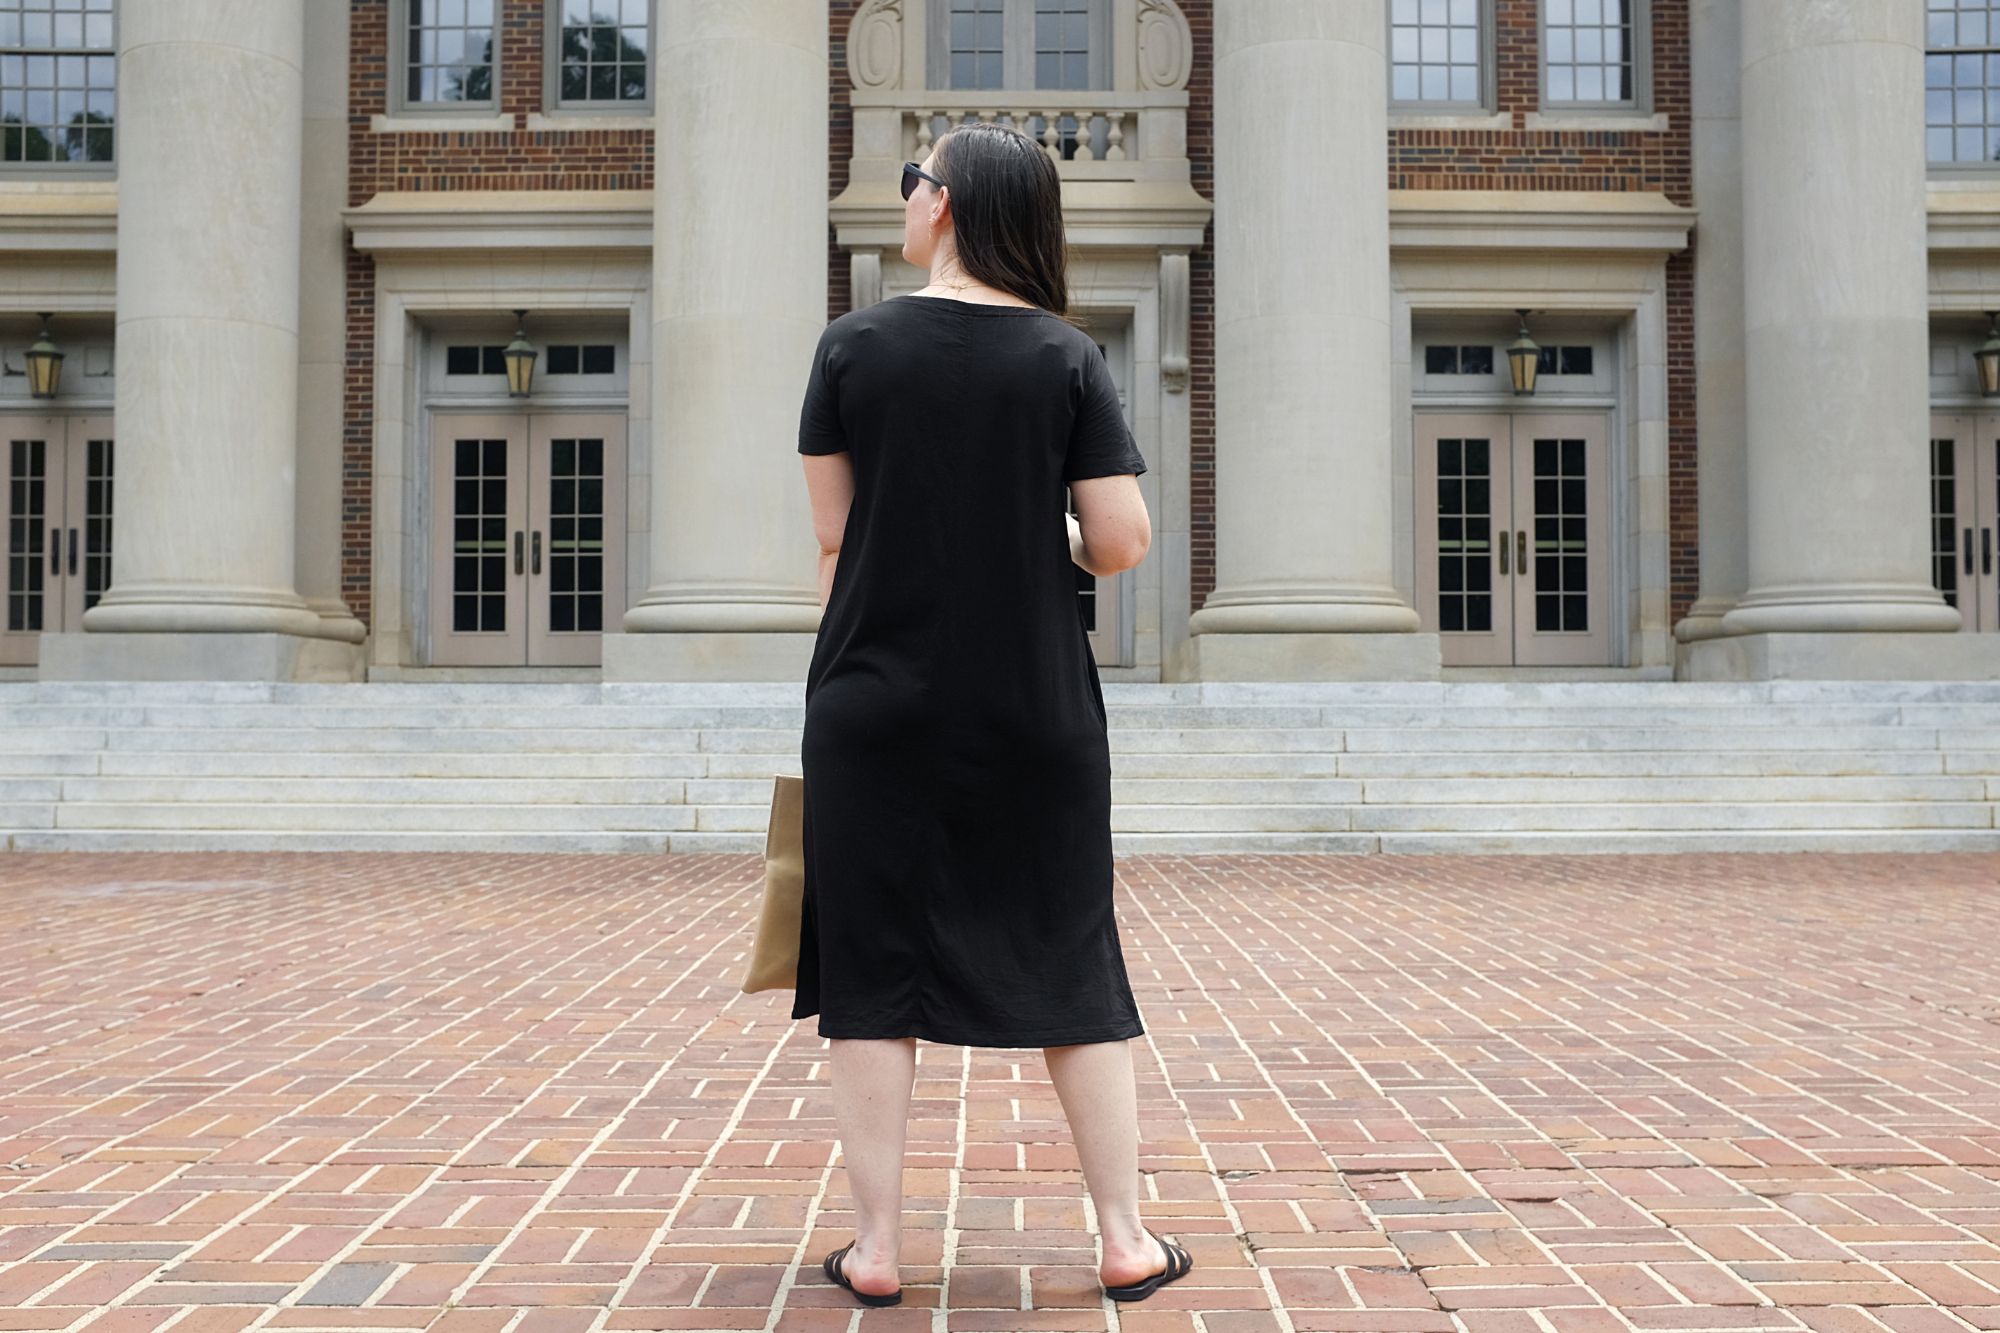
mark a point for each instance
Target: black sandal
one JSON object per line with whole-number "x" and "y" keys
{"x": 832, "y": 1265}
{"x": 1178, "y": 1264}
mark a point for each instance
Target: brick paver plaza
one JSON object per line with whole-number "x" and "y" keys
{"x": 1495, "y": 1094}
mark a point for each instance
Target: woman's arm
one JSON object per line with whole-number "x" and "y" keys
{"x": 830, "y": 484}
{"x": 827, "y": 561}
{"x": 1111, "y": 530}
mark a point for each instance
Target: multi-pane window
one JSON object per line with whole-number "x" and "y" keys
{"x": 1962, "y": 81}
{"x": 1589, "y": 53}
{"x": 58, "y": 81}
{"x": 1019, "y": 44}
{"x": 602, "y": 48}
{"x": 1062, "y": 43}
{"x": 1437, "y": 52}
{"x": 448, "y": 52}
{"x": 978, "y": 43}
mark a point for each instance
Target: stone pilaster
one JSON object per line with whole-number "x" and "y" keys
{"x": 1715, "y": 39}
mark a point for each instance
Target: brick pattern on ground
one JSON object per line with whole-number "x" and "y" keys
{"x": 518, "y": 1094}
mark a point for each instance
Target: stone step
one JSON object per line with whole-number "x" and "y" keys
{"x": 1135, "y": 818}
{"x": 1135, "y": 714}
{"x": 544, "y": 790}
{"x": 1484, "y": 842}
{"x": 1668, "y": 815}
{"x": 765, "y": 740}
{"x": 1125, "y": 764}
{"x": 1646, "y": 692}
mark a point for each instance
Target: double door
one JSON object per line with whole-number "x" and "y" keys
{"x": 1965, "y": 511}
{"x": 527, "y": 537}
{"x": 57, "y": 516}
{"x": 1512, "y": 522}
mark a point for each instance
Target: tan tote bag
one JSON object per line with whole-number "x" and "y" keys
{"x": 774, "y": 957}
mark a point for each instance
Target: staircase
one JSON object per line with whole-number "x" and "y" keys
{"x": 1462, "y": 766}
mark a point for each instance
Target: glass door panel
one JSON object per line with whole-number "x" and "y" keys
{"x": 56, "y": 513}
{"x": 1464, "y": 501}
{"x": 576, "y": 537}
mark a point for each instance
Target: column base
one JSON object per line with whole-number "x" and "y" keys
{"x": 1323, "y": 656}
{"x": 109, "y": 655}
{"x": 1840, "y": 656}
{"x": 336, "y": 621}
{"x": 1704, "y": 619}
{"x": 708, "y": 655}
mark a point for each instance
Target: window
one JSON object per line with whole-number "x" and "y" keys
{"x": 448, "y": 51}
{"x": 476, "y": 359}
{"x": 1565, "y": 361}
{"x": 58, "y": 82}
{"x": 1439, "y": 53}
{"x": 1020, "y": 44}
{"x": 1458, "y": 359}
{"x": 600, "y": 53}
{"x": 1592, "y": 54}
{"x": 582, "y": 359}
{"x": 1962, "y": 81}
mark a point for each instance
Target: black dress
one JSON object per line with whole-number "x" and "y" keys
{"x": 957, "y": 818}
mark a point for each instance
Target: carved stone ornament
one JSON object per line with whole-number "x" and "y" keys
{"x": 875, "y": 45}
{"x": 1166, "y": 47}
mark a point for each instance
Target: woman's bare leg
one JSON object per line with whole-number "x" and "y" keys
{"x": 872, "y": 1082}
{"x": 1100, "y": 1097}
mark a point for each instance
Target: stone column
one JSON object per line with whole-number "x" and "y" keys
{"x": 1835, "y": 326}
{"x": 1305, "y": 586}
{"x": 1715, "y": 47}
{"x": 207, "y": 357}
{"x": 323, "y": 325}
{"x": 739, "y": 301}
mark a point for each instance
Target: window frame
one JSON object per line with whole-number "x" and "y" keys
{"x": 86, "y": 170}
{"x": 552, "y": 103}
{"x": 1956, "y": 166}
{"x": 1639, "y": 107}
{"x": 1489, "y": 78}
{"x": 1017, "y": 60}
{"x": 399, "y": 70}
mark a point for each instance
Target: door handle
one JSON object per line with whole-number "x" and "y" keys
{"x": 517, "y": 550}
{"x": 1503, "y": 554}
{"x": 1966, "y": 546}
{"x": 1986, "y": 550}
{"x": 535, "y": 561}
{"x": 72, "y": 552}
{"x": 1521, "y": 551}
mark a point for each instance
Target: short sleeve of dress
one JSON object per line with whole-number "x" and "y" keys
{"x": 819, "y": 417}
{"x": 1100, "y": 443}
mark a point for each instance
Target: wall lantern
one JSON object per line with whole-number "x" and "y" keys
{"x": 1524, "y": 359}
{"x": 44, "y": 364}
{"x": 520, "y": 356}
{"x": 1987, "y": 358}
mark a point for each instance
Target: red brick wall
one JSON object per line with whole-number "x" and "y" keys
{"x": 1418, "y": 159}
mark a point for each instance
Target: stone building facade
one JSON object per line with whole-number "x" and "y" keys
{"x": 284, "y": 247}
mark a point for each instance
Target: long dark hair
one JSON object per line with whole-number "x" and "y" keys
{"x": 1006, "y": 208}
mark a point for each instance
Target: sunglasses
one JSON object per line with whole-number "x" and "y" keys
{"x": 911, "y": 173}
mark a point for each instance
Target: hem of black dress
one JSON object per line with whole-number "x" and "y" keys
{"x": 948, "y": 1037}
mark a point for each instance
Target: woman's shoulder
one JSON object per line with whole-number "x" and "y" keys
{"x": 899, "y": 321}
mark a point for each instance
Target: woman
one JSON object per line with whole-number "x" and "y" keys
{"x": 958, "y": 875}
